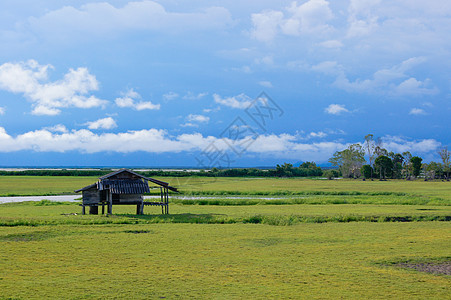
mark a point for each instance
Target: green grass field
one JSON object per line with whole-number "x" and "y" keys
{"x": 56, "y": 185}
{"x": 275, "y": 239}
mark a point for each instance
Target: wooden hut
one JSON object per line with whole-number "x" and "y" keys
{"x": 123, "y": 187}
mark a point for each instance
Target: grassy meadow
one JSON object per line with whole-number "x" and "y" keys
{"x": 229, "y": 238}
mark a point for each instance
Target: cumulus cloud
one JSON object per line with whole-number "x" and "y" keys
{"x": 240, "y": 101}
{"x": 105, "y": 123}
{"x": 336, "y": 109}
{"x": 192, "y": 96}
{"x": 57, "y": 128}
{"x": 265, "y": 83}
{"x": 159, "y": 141}
{"x": 417, "y": 111}
{"x": 362, "y": 19}
{"x": 48, "y": 98}
{"x": 328, "y": 68}
{"x": 170, "y": 96}
{"x": 394, "y": 81}
{"x": 104, "y": 18}
{"x": 198, "y": 118}
{"x": 194, "y": 120}
{"x": 310, "y": 17}
{"x": 318, "y": 134}
{"x": 265, "y": 60}
{"x": 401, "y": 144}
{"x": 331, "y": 44}
{"x": 129, "y": 100}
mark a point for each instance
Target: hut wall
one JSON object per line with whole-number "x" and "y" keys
{"x": 91, "y": 196}
{"x": 126, "y": 198}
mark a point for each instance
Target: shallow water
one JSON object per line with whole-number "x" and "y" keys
{"x": 71, "y": 198}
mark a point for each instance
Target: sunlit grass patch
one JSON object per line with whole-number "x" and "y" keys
{"x": 328, "y": 260}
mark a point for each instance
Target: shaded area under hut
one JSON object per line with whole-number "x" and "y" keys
{"x": 123, "y": 187}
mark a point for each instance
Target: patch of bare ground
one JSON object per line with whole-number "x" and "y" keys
{"x": 443, "y": 268}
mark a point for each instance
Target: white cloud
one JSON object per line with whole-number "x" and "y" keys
{"x": 265, "y": 83}
{"x": 240, "y": 101}
{"x": 188, "y": 124}
{"x": 104, "y": 18}
{"x": 243, "y": 69}
{"x": 417, "y": 111}
{"x": 415, "y": 87}
{"x": 158, "y": 141}
{"x": 57, "y": 128}
{"x": 192, "y": 96}
{"x": 105, "y": 123}
{"x": 390, "y": 81}
{"x": 310, "y": 17}
{"x": 129, "y": 100}
{"x": 198, "y": 118}
{"x": 266, "y": 25}
{"x": 194, "y": 120}
{"x": 328, "y": 68}
{"x": 362, "y": 20}
{"x": 208, "y": 110}
{"x": 401, "y": 144}
{"x": 170, "y": 96}
{"x": 2, "y": 110}
{"x": 331, "y": 44}
{"x": 336, "y": 109}
{"x": 318, "y": 134}
{"x": 265, "y": 60}
{"x": 31, "y": 79}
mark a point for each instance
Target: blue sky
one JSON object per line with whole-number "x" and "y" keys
{"x": 174, "y": 83}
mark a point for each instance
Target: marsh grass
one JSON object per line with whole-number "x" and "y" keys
{"x": 315, "y": 239}
{"x": 233, "y": 261}
{"x": 29, "y": 214}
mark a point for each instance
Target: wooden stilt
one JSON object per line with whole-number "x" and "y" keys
{"x": 83, "y": 210}
{"x": 110, "y": 203}
{"x": 167, "y": 201}
{"x": 162, "y": 200}
{"x": 93, "y": 210}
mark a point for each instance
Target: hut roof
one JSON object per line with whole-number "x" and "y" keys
{"x": 134, "y": 186}
{"x": 87, "y": 187}
{"x": 128, "y": 185}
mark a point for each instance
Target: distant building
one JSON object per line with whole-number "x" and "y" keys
{"x": 123, "y": 187}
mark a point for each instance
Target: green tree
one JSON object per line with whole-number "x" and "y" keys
{"x": 397, "y": 160}
{"x": 407, "y": 164}
{"x": 384, "y": 165}
{"x": 416, "y": 165}
{"x": 285, "y": 170}
{"x": 367, "y": 171}
{"x": 445, "y": 156}
{"x": 370, "y": 145}
{"x": 433, "y": 170}
{"x": 349, "y": 160}
{"x": 331, "y": 174}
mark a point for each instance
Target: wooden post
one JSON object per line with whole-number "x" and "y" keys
{"x": 167, "y": 201}
{"x": 93, "y": 210}
{"x": 161, "y": 200}
{"x": 110, "y": 202}
{"x": 83, "y": 209}
{"x": 103, "y": 208}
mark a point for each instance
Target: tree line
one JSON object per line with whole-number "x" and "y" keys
{"x": 382, "y": 164}
{"x": 306, "y": 169}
